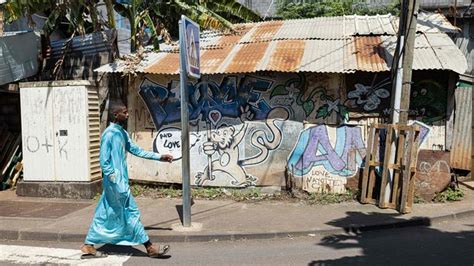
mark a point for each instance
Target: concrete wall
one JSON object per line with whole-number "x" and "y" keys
{"x": 248, "y": 129}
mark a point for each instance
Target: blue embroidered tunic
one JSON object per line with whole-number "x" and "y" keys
{"x": 117, "y": 218}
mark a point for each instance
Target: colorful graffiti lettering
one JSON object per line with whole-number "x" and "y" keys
{"x": 314, "y": 148}
{"x": 227, "y": 98}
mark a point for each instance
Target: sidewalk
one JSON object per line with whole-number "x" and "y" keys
{"x": 68, "y": 220}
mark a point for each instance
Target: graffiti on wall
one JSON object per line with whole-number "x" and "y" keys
{"x": 428, "y": 101}
{"x": 228, "y": 98}
{"x": 168, "y": 141}
{"x": 237, "y": 125}
{"x": 323, "y": 165}
{"x": 223, "y": 154}
{"x": 324, "y": 157}
{"x": 294, "y": 90}
{"x": 369, "y": 97}
{"x": 225, "y": 110}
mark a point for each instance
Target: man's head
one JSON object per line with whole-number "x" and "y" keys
{"x": 118, "y": 111}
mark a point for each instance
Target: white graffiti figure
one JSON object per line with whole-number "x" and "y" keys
{"x": 369, "y": 96}
{"x": 223, "y": 144}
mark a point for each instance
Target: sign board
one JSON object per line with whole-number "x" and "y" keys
{"x": 191, "y": 43}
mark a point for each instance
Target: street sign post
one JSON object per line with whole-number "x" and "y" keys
{"x": 191, "y": 37}
{"x": 189, "y": 66}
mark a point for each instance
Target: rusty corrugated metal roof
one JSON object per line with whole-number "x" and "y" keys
{"x": 370, "y": 54}
{"x": 332, "y": 45}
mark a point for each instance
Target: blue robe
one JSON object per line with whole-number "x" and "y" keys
{"x": 117, "y": 218}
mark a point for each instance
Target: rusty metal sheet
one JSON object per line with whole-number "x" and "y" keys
{"x": 287, "y": 56}
{"x": 317, "y": 45}
{"x": 370, "y": 54}
{"x": 214, "y": 39}
{"x": 212, "y": 59}
{"x": 462, "y": 135}
{"x": 245, "y": 58}
{"x": 169, "y": 64}
{"x": 262, "y": 32}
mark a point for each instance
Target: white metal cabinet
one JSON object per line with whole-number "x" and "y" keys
{"x": 60, "y": 131}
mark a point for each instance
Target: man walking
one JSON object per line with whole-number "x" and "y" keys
{"x": 117, "y": 218}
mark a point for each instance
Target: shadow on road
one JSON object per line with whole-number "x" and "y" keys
{"x": 421, "y": 245}
{"x": 125, "y": 251}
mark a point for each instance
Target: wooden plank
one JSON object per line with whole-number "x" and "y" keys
{"x": 383, "y": 183}
{"x": 375, "y": 160}
{"x": 413, "y": 161}
{"x": 407, "y": 175}
{"x": 399, "y": 163}
{"x": 375, "y": 163}
{"x": 365, "y": 173}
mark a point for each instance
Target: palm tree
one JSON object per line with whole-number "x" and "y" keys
{"x": 67, "y": 15}
{"x": 164, "y": 14}
{"x": 80, "y": 16}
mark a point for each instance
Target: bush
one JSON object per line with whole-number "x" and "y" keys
{"x": 449, "y": 195}
{"x": 291, "y": 9}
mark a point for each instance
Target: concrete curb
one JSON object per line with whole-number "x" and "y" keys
{"x": 73, "y": 237}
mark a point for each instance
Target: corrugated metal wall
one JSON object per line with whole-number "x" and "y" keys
{"x": 462, "y": 141}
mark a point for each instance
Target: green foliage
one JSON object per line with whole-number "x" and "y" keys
{"x": 81, "y": 16}
{"x": 449, "y": 195}
{"x": 208, "y": 193}
{"x": 290, "y": 9}
{"x": 72, "y": 16}
{"x": 417, "y": 199}
{"x": 251, "y": 194}
{"x": 331, "y": 198}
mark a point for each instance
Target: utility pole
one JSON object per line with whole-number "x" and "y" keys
{"x": 401, "y": 86}
{"x": 407, "y": 62}
{"x": 403, "y": 57}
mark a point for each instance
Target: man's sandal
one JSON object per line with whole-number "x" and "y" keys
{"x": 91, "y": 253}
{"x": 95, "y": 255}
{"x": 153, "y": 252}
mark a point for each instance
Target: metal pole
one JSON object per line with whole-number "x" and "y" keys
{"x": 184, "y": 129}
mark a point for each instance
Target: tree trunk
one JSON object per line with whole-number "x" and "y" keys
{"x": 110, "y": 13}
{"x": 1, "y": 20}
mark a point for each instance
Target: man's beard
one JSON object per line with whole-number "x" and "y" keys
{"x": 123, "y": 123}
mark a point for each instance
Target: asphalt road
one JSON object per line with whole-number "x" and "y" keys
{"x": 449, "y": 243}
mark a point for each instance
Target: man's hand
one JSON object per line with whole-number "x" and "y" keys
{"x": 166, "y": 158}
